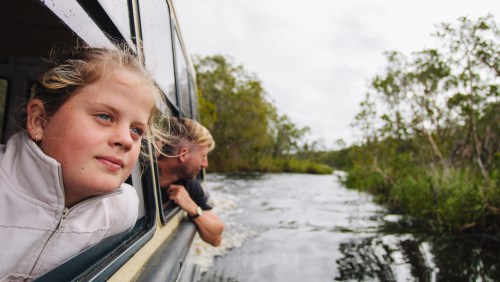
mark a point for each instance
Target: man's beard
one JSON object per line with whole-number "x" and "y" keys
{"x": 189, "y": 174}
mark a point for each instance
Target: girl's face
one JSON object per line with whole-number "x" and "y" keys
{"x": 96, "y": 134}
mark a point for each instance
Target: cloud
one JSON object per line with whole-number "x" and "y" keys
{"x": 316, "y": 58}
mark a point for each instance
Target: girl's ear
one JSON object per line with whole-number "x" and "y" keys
{"x": 35, "y": 123}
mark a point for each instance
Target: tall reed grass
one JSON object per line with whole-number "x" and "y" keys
{"x": 452, "y": 200}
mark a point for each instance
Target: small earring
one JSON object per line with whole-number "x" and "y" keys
{"x": 36, "y": 137}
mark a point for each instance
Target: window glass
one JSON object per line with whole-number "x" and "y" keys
{"x": 168, "y": 206}
{"x": 3, "y": 96}
{"x": 157, "y": 40}
{"x": 77, "y": 19}
{"x": 162, "y": 106}
{"x": 118, "y": 11}
{"x": 182, "y": 76}
{"x": 136, "y": 182}
{"x": 194, "y": 100}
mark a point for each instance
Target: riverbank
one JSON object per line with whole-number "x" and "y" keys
{"x": 274, "y": 165}
{"x": 452, "y": 200}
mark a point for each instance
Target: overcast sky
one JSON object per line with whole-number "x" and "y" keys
{"x": 316, "y": 58}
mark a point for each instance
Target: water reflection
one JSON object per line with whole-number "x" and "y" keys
{"x": 309, "y": 228}
{"x": 423, "y": 258}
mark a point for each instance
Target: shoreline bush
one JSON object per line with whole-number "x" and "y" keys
{"x": 429, "y": 137}
{"x": 275, "y": 165}
{"x": 452, "y": 201}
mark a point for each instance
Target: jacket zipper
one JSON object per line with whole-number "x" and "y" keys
{"x": 62, "y": 224}
{"x": 64, "y": 218}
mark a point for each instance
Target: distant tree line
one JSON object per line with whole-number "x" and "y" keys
{"x": 429, "y": 130}
{"x": 249, "y": 133}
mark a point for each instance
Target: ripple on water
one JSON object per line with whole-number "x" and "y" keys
{"x": 296, "y": 227}
{"x": 225, "y": 205}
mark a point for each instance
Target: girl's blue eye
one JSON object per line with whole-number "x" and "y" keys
{"x": 136, "y": 131}
{"x": 104, "y": 117}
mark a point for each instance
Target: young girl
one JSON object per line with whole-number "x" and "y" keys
{"x": 62, "y": 178}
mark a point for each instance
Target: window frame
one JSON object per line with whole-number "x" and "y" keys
{"x": 6, "y": 112}
{"x": 171, "y": 209}
{"x": 193, "y": 103}
{"x": 176, "y": 39}
{"x": 171, "y": 105}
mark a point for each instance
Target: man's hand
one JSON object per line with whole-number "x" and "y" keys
{"x": 209, "y": 224}
{"x": 180, "y": 196}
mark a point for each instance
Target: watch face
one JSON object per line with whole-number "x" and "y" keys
{"x": 199, "y": 210}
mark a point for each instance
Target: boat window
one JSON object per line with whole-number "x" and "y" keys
{"x": 163, "y": 107}
{"x": 194, "y": 99}
{"x": 157, "y": 40}
{"x": 80, "y": 22}
{"x": 118, "y": 11}
{"x": 3, "y": 96}
{"x": 169, "y": 208}
{"x": 182, "y": 77}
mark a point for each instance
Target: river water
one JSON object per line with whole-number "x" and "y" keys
{"x": 299, "y": 227}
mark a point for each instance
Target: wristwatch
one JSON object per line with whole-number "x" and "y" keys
{"x": 199, "y": 211}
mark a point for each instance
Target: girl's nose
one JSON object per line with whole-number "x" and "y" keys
{"x": 122, "y": 137}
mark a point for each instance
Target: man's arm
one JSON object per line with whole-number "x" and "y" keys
{"x": 210, "y": 227}
{"x": 209, "y": 224}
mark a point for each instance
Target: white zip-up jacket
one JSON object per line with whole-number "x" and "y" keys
{"x": 37, "y": 232}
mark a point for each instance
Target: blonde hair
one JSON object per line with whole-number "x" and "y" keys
{"x": 187, "y": 130}
{"x": 69, "y": 70}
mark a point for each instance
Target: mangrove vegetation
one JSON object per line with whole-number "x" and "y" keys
{"x": 429, "y": 135}
{"x": 249, "y": 133}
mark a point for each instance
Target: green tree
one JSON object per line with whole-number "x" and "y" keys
{"x": 392, "y": 88}
{"x": 430, "y": 81}
{"x": 208, "y": 113}
{"x": 435, "y": 106}
{"x": 243, "y": 115}
{"x": 288, "y": 136}
{"x": 249, "y": 134}
{"x": 473, "y": 49}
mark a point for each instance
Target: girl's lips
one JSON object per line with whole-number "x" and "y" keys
{"x": 111, "y": 163}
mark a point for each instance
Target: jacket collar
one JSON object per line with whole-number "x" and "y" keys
{"x": 38, "y": 177}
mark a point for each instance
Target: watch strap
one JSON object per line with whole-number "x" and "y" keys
{"x": 198, "y": 213}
